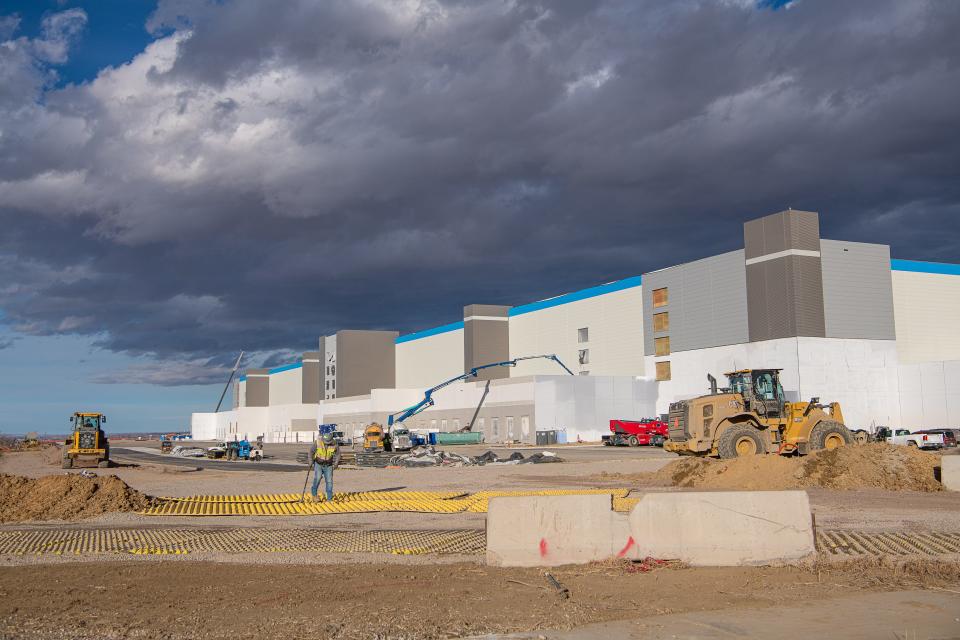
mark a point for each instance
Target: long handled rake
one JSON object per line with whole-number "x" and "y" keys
{"x": 303, "y": 494}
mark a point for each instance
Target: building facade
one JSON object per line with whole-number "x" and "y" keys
{"x": 842, "y": 319}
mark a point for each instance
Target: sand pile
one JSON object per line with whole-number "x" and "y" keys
{"x": 878, "y": 465}
{"x": 52, "y": 454}
{"x": 66, "y": 497}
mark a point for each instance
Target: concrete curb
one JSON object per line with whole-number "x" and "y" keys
{"x": 730, "y": 528}
{"x": 950, "y": 472}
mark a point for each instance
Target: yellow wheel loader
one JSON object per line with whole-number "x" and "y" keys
{"x": 751, "y": 416}
{"x": 88, "y": 443}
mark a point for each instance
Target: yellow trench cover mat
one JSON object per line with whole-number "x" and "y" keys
{"x": 180, "y": 541}
{"x": 360, "y": 502}
{"x": 81, "y": 542}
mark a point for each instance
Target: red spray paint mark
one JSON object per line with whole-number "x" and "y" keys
{"x": 543, "y": 547}
{"x": 630, "y": 543}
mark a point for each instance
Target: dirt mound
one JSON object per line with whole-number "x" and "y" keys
{"x": 878, "y": 465}
{"x": 52, "y": 454}
{"x": 66, "y": 497}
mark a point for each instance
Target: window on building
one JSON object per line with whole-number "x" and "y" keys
{"x": 333, "y": 384}
{"x": 456, "y": 424}
{"x": 660, "y": 297}
{"x": 443, "y": 425}
{"x": 480, "y": 423}
{"x": 328, "y": 385}
{"x": 663, "y": 370}
{"x": 661, "y": 321}
{"x": 583, "y": 334}
{"x": 433, "y": 424}
{"x": 328, "y": 369}
{"x": 662, "y": 345}
{"x": 495, "y": 424}
{"x": 510, "y": 427}
{"x": 583, "y": 355}
{"x": 333, "y": 369}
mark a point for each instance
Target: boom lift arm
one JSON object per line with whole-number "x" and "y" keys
{"x": 428, "y": 400}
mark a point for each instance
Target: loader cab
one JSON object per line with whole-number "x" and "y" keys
{"x": 760, "y": 389}
{"x": 87, "y": 421}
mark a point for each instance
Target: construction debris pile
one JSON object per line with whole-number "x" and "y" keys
{"x": 65, "y": 497}
{"x": 188, "y": 452}
{"x": 430, "y": 457}
{"x": 877, "y": 466}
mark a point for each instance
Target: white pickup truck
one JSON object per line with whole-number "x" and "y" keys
{"x": 904, "y": 437}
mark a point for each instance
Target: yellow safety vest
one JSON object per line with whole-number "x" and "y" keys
{"x": 324, "y": 453}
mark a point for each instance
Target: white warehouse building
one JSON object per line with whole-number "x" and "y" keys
{"x": 841, "y": 319}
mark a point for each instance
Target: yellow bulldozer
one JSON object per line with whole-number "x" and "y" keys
{"x": 751, "y": 416}
{"x": 88, "y": 443}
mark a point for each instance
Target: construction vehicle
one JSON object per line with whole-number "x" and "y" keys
{"x": 30, "y": 442}
{"x": 88, "y": 443}
{"x": 751, "y": 416}
{"x": 243, "y": 450}
{"x": 428, "y": 401}
{"x": 217, "y": 451}
{"x": 633, "y": 433}
{"x": 166, "y": 443}
{"x": 374, "y": 438}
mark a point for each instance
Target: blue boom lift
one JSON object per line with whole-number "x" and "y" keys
{"x": 428, "y": 401}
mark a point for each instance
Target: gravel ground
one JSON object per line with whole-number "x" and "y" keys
{"x": 586, "y": 467}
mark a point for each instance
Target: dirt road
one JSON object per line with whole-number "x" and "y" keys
{"x": 177, "y": 600}
{"x": 587, "y": 467}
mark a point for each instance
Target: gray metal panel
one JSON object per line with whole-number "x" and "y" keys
{"x": 310, "y": 377}
{"x": 807, "y": 282}
{"x": 707, "y": 303}
{"x": 365, "y": 360}
{"x": 258, "y": 388}
{"x": 780, "y": 231}
{"x": 784, "y": 294}
{"x": 486, "y": 341}
{"x": 804, "y": 228}
{"x": 769, "y": 311}
{"x": 493, "y": 310}
{"x": 857, "y": 290}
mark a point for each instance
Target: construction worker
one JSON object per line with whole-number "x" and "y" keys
{"x": 325, "y": 454}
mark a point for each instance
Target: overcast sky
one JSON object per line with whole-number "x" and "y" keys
{"x": 182, "y": 180}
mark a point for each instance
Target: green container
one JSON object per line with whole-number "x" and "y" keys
{"x": 468, "y": 437}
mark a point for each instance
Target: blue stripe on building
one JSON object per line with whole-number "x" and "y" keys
{"x": 583, "y": 294}
{"x": 453, "y": 326}
{"x": 919, "y": 266}
{"x": 286, "y": 367}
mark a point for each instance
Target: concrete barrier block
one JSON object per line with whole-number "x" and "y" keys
{"x": 542, "y": 531}
{"x": 723, "y": 528}
{"x": 950, "y": 472}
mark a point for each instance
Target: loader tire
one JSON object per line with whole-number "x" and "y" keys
{"x": 66, "y": 463}
{"x": 633, "y": 442}
{"x": 739, "y": 441}
{"x": 829, "y": 434}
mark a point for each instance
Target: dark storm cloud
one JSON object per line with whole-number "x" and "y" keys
{"x": 267, "y": 172}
